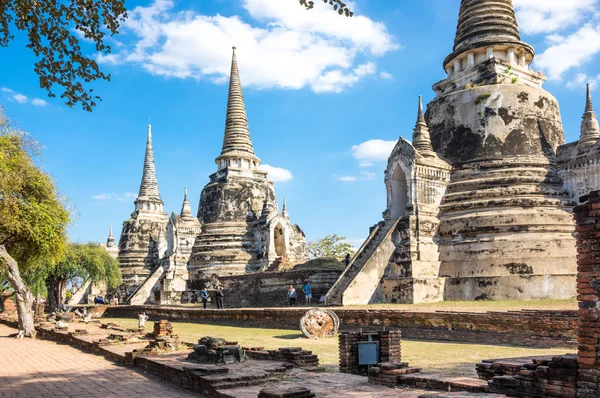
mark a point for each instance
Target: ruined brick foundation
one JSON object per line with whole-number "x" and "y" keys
{"x": 587, "y": 216}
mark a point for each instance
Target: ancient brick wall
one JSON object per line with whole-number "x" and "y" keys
{"x": 530, "y": 328}
{"x": 269, "y": 289}
{"x": 587, "y": 216}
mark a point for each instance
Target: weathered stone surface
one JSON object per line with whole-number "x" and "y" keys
{"x": 239, "y": 228}
{"x": 477, "y": 202}
{"x": 242, "y": 228}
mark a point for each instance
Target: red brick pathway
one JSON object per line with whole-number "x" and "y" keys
{"x": 37, "y": 368}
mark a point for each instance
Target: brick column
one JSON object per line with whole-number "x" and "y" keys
{"x": 390, "y": 345}
{"x": 587, "y": 216}
{"x": 348, "y": 352}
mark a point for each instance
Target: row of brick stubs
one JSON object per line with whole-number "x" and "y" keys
{"x": 587, "y": 216}
{"x": 389, "y": 343}
{"x": 540, "y": 378}
{"x": 290, "y": 392}
{"x": 297, "y": 356}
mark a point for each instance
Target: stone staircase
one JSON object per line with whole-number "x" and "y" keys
{"x": 78, "y": 296}
{"x": 141, "y": 295}
{"x": 374, "y": 253}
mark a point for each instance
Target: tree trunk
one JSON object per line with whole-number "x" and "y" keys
{"x": 56, "y": 292}
{"x": 24, "y": 298}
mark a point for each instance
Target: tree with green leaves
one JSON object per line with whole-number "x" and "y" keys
{"x": 329, "y": 246}
{"x": 33, "y": 219}
{"x": 55, "y": 30}
{"x": 87, "y": 261}
{"x": 337, "y": 5}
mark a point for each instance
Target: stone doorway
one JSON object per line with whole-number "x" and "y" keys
{"x": 279, "y": 240}
{"x": 399, "y": 194}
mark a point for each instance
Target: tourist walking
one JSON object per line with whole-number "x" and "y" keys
{"x": 204, "y": 297}
{"x": 347, "y": 259}
{"x": 292, "y": 295}
{"x": 308, "y": 293}
{"x": 220, "y": 296}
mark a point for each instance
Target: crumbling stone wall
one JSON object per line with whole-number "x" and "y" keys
{"x": 587, "y": 216}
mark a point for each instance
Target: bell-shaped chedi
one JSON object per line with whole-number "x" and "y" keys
{"x": 139, "y": 244}
{"x": 242, "y": 229}
{"x": 505, "y": 229}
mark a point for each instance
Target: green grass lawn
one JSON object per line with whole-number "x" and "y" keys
{"x": 452, "y": 358}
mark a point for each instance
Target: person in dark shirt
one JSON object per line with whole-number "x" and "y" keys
{"x": 347, "y": 259}
{"x": 220, "y": 296}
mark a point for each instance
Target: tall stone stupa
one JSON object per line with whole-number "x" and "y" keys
{"x": 479, "y": 204}
{"x": 242, "y": 228}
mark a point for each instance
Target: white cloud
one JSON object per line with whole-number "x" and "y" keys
{"x": 20, "y": 98}
{"x": 365, "y": 163}
{"x": 348, "y": 179}
{"x": 373, "y": 150}
{"x": 570, "y": 52}
{"x": 276, "y": 174}
{"x": 278, "y": 46}
{"x": 38, "y": 102}
{"x": 547, "y": 16}
{"x": 386, "y": 75}
{"x": 581, "y": 80}
{"x": 115, "y": 196}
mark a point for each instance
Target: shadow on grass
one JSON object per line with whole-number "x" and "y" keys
{"x": 289, "y": 336}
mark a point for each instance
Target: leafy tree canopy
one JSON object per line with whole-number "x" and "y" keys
{"x": 33, "y": 219}
{"x": 88, "y": 261}
{"x": 329, "y": 246}
{"x": 54, "y": 30}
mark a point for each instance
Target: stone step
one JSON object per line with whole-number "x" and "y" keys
{"x": 244, "y": 383}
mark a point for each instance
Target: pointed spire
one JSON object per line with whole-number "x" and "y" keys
{"x": 421, "y": 140}
{"x": 149, "y": 186}
{"x": 589, "y": 107}
{"x": 236, "y": 141}
{"x": 186, "y": 210}
{"x": 284, "y": 212}
{"x": 487, "y": 23}
{"x": 590, "y": 129}
{"x": 110, "y": 242}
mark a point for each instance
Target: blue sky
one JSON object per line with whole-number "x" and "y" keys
{"x": 326, "y": 96}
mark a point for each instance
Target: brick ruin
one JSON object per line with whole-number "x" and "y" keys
{"x": 389, "y": 349}
{"x": 587, "y": 216}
